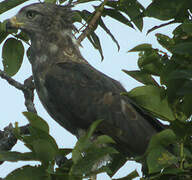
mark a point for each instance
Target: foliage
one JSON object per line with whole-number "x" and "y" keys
{"x": 43, "y": 148}
{"x": 169, "y": 154}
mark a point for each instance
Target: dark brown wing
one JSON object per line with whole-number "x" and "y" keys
{"x": 79, "y": 94}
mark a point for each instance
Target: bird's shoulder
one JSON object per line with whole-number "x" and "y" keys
{"x": 82, "y": 75}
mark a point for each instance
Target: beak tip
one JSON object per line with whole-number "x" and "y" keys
{"x": 13, "y": 24}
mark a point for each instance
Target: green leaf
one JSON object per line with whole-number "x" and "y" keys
{"x": 101, "y": 23}
{"x": 103, "y": 169}
{"x": 104, "y": 139}
{"x": 85, "y": 164}
{"x": 187, "y": 27}
{"x": 165, "y": 41}
{"x": 28, "y": 173}
{"x": 131, "y": 8}
{"x": 165, "y": 10}
{"x": 130, "y": 176}
{"x": 142, "y": 77}
{"x": 186, "y": 105}
{"x": 184, "y": 74}
{"x": 141, "y": 47}
{"x": 9, "y": 4}
{"x": 36, "y": 121}
{"x": 44, "y": 150}
{"x": 65, "y": 151}
{"x": 3, "y": 26}
{"x": 113, "y": 13}
{"x": 76, "y": 17}
{"x": 150, "y": 61}
{"x": 134, "y": 10}
{"x": 182, "y": 128}
{"x": 84, "y": 142}
{"x": 86, "y": 15}
{"x": 180, "y": 35}
{"x": 149, "y": 98}
{"x": 163, "y": 138}
{"x": 12, "y": 54}
{"x": 173, "y": 171}
{"x": 81, "y": 146}
{"x": 183, "y": 48}
{"x": 3, "y": 33}
{"x": 175, "y": 91}
{"x": 37, "y": 133}
{"x": 16, "y": 156}
{"x": 39, "y": 141}
{"x": 94, "y": 39}
{"x": 92, "y": 36}
{"x": 92, "y": 128}
{"x": 159, "y": 158}
{"x": 116, "y": 162}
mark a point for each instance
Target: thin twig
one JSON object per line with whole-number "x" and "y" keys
{"x": 92, "y": 23}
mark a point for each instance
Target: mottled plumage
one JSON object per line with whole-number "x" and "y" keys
{"x": 73, "y": 92}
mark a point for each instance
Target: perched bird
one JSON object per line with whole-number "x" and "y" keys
{"x": 73, "y": 92}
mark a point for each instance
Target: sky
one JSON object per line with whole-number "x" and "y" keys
{"x": 12, "y": 100}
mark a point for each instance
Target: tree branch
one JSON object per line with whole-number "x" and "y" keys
{"x": 12, "y": 82}
{"x": 92, "y": 23}
{"x": 7, "y": 137}
{"x": 29, "y": 94}
{"x": 27, "y": 88}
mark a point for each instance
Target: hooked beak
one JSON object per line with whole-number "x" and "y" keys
{"x": 13, "y": 23}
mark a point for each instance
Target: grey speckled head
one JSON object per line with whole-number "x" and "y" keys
{"x": 43, "y": 17}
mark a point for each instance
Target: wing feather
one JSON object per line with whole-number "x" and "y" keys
{"x": 80, "y": 94}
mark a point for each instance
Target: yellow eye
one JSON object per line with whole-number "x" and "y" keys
{"x": 30, "y": 14}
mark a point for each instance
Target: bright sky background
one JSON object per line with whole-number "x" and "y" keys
{"x": 12, "y": 100}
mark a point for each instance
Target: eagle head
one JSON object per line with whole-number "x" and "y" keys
{"x": 41, "y": 18}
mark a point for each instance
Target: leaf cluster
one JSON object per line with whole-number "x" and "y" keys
{"x": 86, "y": 158}
{"x": 166, "y": 93}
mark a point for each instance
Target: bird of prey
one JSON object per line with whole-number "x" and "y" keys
{"x": 73, "y": 92}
